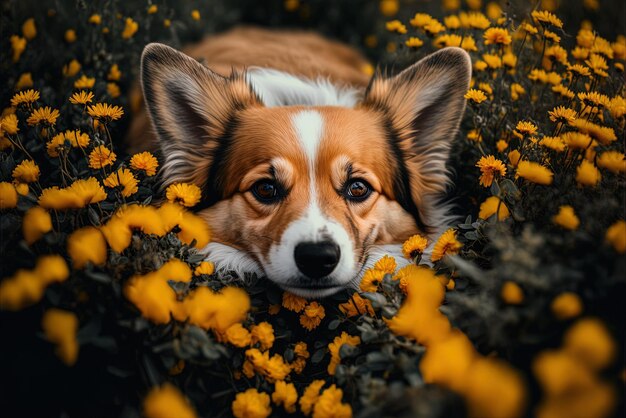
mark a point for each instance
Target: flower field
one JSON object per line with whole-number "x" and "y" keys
{"x": 109, "y": 308}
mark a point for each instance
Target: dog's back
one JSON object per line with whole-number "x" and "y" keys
{"x": 302, "y": 54}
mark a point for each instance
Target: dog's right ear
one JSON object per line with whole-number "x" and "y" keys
{"x": 191, "y": 109}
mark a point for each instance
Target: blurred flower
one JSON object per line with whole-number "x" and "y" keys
{"x": 566, "y": 218}
{"x": 44, "y": 115}
{"x": 87, "y": 245}
{"x": 144, "y": 161}
{"x": 18, "y": 45}
{"x": 447, "y": 362}
{"x": 566, "y": 305}
{"x": 587, "y": 174}
{"x": 238, "y": 336}
{"x": 35, "y": 224}
{"x": 166, "y": 401}
{"x": 329, "y": 405}
{"x": 396, "y": 26}
{"x": 29, "y": 30}
{"x": 187, "y": 194}
{"x": 467, "y": 42}
{"x": 499, "y": 36}
{"x": 544, "y": 16}
{"x": 26, "y": 172}
{"x": 616, "y": 236}
{"x": 95, "y": 19}
{"x": 27, "y": 97}
{"x": 59, "y": 199}
{"x": 130, "y": 28}
{"x": 590, "y": 343}
{"x": 84, "y": 82}
{"x": 447, "y": 244}
{"x": 9, "y": 123}
{"x": 251, "y": 404}
{"x": 312, "y": 315}
{"x": 101, "y": 157}
{"x": 8, "y": 195}
{"x": 613, "y": 161}
{"x": 553, "y": 143}
{"x": 535, "y": 173}
{"x": 310, "y": 396}
{"x": 60, "y": 328}
{"x": 113, "y": 90}
{"x": 490, "y": 206}
{"x": 293, "y": 303}
{"x": 152, "y": 9}
{"x": 511, "y": 293}
{"x": 285, "y": 394}
{"x": 114, "y": 73}
{"x": 70, "y": 36}
{"x": 72, "y": 68}
{"x": 414, "y": 42}
{"x": 263, "y": 333}
{"x": 490, "y": 167}
{"x": 195, "y": 14}
{"x": 205, "y": 267}
{"x": 474, "y": 20}
{"x": 123, "y": 178}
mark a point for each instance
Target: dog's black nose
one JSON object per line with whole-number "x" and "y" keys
{"x": 317, "y": 259}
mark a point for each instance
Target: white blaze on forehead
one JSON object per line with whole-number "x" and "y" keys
{"x": 309, "y": 126}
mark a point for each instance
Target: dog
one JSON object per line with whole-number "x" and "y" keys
{"x": 309, "y": 170}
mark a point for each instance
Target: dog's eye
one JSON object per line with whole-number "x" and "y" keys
{"x": 265, "y": 191}
{"x": 358, "y": 190}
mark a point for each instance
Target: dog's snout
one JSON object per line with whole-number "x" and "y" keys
{"x": 317, "y": 259}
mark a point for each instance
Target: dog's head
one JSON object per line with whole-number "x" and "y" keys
{"x": 303, "y": 193}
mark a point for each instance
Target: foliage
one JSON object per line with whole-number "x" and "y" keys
{"x": 109, "y": 309}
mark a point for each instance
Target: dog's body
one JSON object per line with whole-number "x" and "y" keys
{"x": 308, "y": 174}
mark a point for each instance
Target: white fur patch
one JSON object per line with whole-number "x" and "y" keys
{"x": 278, "y": 88}
{"x": 229, "y": 259}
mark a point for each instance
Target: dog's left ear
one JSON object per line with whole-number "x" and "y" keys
{"x": 423, "y": 107}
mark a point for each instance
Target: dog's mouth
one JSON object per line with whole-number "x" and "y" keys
{"x": 314, "y": 290}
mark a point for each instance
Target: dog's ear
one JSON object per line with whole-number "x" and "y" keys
{"x": 192, "y": 110}
{"x": 422, "y": 107}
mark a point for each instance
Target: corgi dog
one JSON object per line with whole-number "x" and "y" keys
{"x": 309, "y": 170}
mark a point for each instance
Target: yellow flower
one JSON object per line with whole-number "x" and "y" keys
{"x": 566, "y": 218}
{"x": 167, "y": 401}
{"x": 72, "y": 68}
{"x": 386, "y": 264}
{"x": 562, "y": 114}
{"x": 544, "y": 16}
{"x": 514, "y": 157}
{"x": 87, "y": 245}
{"x": 70, "y": 36}
{"x": 153, "y": 9}
{"x": 603, "y": 134}
{"x": 251, "y": 404}
{"x": 474, "y": 20}
{"x": 25, "y": 97}
{"x": 21, "y": 188}
{"x": 59, "y": 199}
{"x": 593, "y": 99}
{"x": 101, "y": 157}
{"x": 492, "y": 205}
{"x": 580, "y": 53}
{"x": 576, "y": 140}
{"x": 114, "y": 73}
{"x": 528, "y": 28}
{"x": 88, "y": 190}
{"x": 617, "y": 106}
{"x": 499, "y": 36}
{"x": 26, "y": 172}
{"x": 75, "y": 138}
{"x": 273, "y": 368}
{"x": 396, "y": 26}
{"x": 567, "y": 305}
{"x": 310, "y": 396}
{"x": 511, "y": 293}
{"x": 144, "y": 161}
{"x": 60, "y": 328}
{"x": 167, "y": 23}
{"x": 598, "y": 64}
{"x": 525, "y": 128}
{"x": 420, "y": 20}
{"x": 105, "y": 112}
{"x": 113, "y": 90}
{"x": 371, "y": 280}
{"x": 356, "y": 306}
{"x": 335, "y": 347}
{"x": 329, "y": 405}
{"x": 18, "y": 45}
{"x": 82, "y": 97}
{"x": 555, "y": 53}
{"x": 587, "y": 174}
{"x": 285, "y": 394}
{"x": 579, "y": 70}
{"x": 414, "y": 246}
{"x": 186, "y": 194}
{"x": 9, "y": 123}
{"x": 84, "y": 82}
{"x": 8, "y": 195}
{"x": 195, "y": 14}
{"x": 123, "y": 178}
{"x": 563, "y": 91}
{"x": 501, "y": 145}
{"x": 130, "y": 28}
{"x": 535, "y": 173}
{"x": 35, "y": 224}
{"x": 263, "y": 333}
{"x": 43, "y": 115}
{"x": 414, "y": 42}
{"x": 613, "y": 161}
{"x": 475, "y": 135}
{"x": 447, "y": 244}
{"x": 590, "y": 343}
{"x": 312, "y": 316}
{"x": 449, "y": 39}
{"x": 29, "y": 30}
{"x": 553, "y": 143}
{"x": 293, "y": 303}
{"x": 95, "y": 19}
{"x": 205, "y": 267}
{"x": 516, "y": 91}
{"x": 238, "y": 336}
{"x": 492, "y": 60}
{"x": 447, "y": 362}
{"x": 616, "y": 236}
{"x": 490, "y": 167}
{"x": 475, "y": 95}
{"x": 452, "y": 22}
